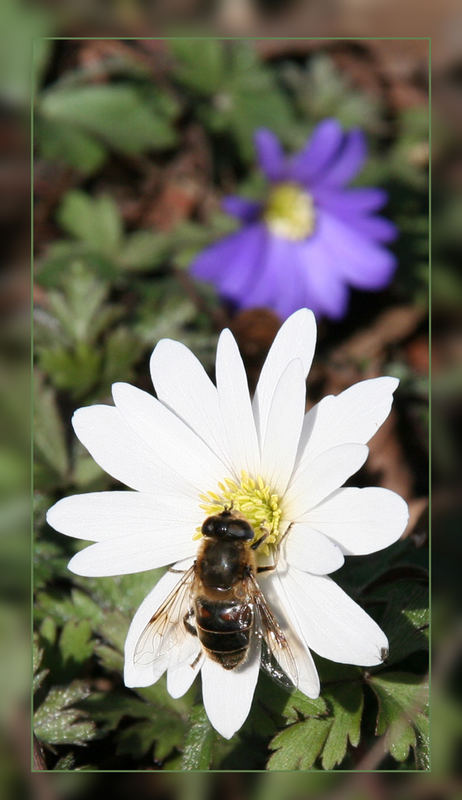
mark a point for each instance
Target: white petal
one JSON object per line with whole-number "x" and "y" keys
{"x": 136, "y": 552}
{"x": 145, "y": 674}
{"x": 283, "y": 428}
{"x": 314, "y": 480}
{"x": 228, "y": 693}
{"x": 361, "y": 520}
{"x": 308, "y": 678}
{"x": 311, "y": 551}
{"x": 174, "y": 443}
{"x": 106, "y": 515}
{"x": 121, "y": 453}
{"x": 354, "y": 415}
{"x": 180, "y": 677}
{"x": 295, "y": 339}
{"x": 333, "y": 625}
{"x": 235, "y": 406}
{"x": 182, "y": 384}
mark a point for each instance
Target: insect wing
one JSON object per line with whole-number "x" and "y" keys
{"x": 165, "y": 630}
{"x": 276, "y": 657}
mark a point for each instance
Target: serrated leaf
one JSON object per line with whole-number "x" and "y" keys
{"x": 144, "y": 250}
{"x": 115, "y": 113}
{"x": 198, "y": 748}
{"x": 56, "y": 722}
{"x": 347, "y": 701}
{"x": 121, "y": 351}
{"x": 298, "y": 746}
{"x": 63, "y": 142}
{"x": 50, "y": 446}
{"x": 93, "y": 220}
{"x": 109, "y": 708}
{"x": 76, "y": 371}
{"x": 406, "y": 618}
{"x": 48, "y": 631}
{"x": 111, "y": 659}
{"x": 402, "y": 697}
{"x": 75, "y": 644}
{"x": 201, "y": 65}
{"x": 78, "y": 307}
{"x": 162, "y": 733}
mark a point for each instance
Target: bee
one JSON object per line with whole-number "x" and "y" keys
{"x": 219, "y": 602}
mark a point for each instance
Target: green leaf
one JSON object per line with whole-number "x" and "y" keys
{"x": 162, "y": 733}
{"x": 298, "y": 746}
{"x": 56, "y": 722}
{"x": 406, "y": 618}
{"x": 50, "y": 446}
{"x": 63, "y": 142}
{"x": 121, "y": 351}
{"x": 115, "y": 113}
{"x": 112, "y": 660}
{"x": 93, "y": 220}
{"x": 201, "y": 65}
{"x": 78, "y": 308}
{"x": 76, "y": 371}
{"x": 347, "y": 701}
{"x": 144, "y": 250}
{"x": 76, "y": 644}
{"x": 108, "y": 709}
{"x": 402, "y": 697}
{"x": 198, "y": 748}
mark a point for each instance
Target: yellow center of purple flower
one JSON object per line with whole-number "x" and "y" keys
{"x": 289, "y": 212}
{"x": 254, "y": 499}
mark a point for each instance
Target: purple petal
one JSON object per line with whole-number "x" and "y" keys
{"x": 358, "y": 260}
{"x": 243, "y": 263}
{"x": 349, "y": 161}
{"x": 323, "y": 286}
{"x": 240, "y": 207}
{"x": 267, "y": 281}
{"x": 321, "y": 148}
{"x": 378, "y": 228}
{"x": 357, "y": 200}
{"x": 229, "y": 263}
{"x": 210, "y": 263}
{"x": 270, "y": 155}
{"x": 291, "y": 293}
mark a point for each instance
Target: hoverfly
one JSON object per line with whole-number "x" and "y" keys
{"x": 218, "y": 600}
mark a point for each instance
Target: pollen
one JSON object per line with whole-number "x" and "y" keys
{"x": 252, "y": 498}
{"x": 289, "y": 212}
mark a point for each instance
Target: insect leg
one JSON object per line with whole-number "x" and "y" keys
{"x": 273, "y": 566}
{"x": 259, "y": 541}
{"x": 190, "y": 628}
{"x": 196, "y": 659}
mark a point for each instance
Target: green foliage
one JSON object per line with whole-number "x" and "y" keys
{"x": 347, "y": 702}
{"x": 321, "y": 90}
{"x": 57, "y": 721}
{"x": 298, "y": 746}
{"x": 235, "y": 91}
{"x": 77, "y": 124}
{"x": 403, "y": 701}
{"x": 198, "y": 748}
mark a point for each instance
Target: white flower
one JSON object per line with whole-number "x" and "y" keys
{"x": 195, "y": 448}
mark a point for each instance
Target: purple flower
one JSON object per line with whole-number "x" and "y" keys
{"x": 311, "y": 238}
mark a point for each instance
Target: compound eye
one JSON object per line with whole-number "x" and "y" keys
{"x": 240, "y": 529}
{"x": 208, "y": 528}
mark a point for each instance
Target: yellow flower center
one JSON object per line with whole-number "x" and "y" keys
{"x": 290, "y": 212}
{"x": 251, "y": 497}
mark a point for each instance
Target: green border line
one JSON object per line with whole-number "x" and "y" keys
{"x": 32, "y": 449}
{"x": 235, "y": 38}
{"x": 430, "y": 277}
